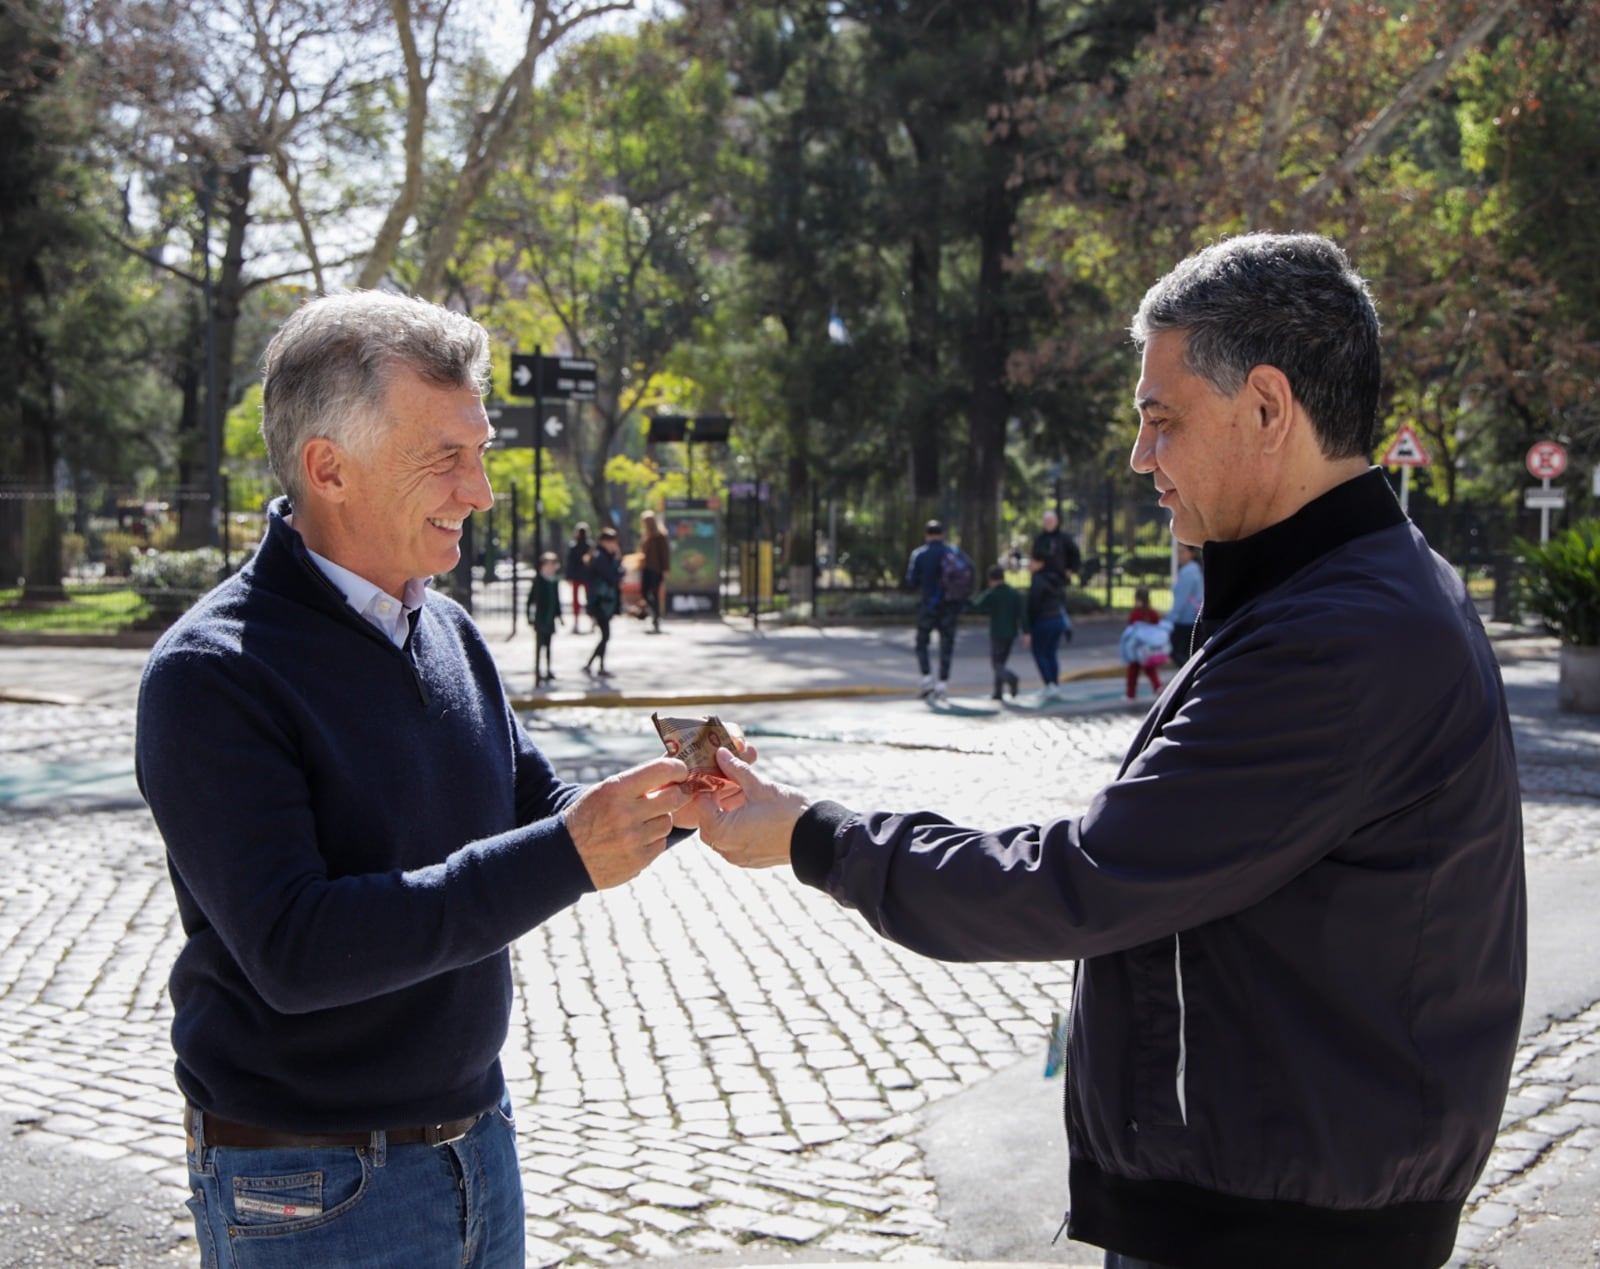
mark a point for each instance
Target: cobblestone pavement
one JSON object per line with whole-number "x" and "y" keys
{"x": 706, "y": 1060}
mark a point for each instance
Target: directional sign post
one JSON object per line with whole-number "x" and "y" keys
{"x": 1405, "y": 452}
{"x": 690, "y": 430}
{"x": 557, "y": 379}
{"x": 1546, "y": 460}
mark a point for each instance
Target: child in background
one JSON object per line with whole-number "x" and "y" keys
{"x": 1147, "y": 647}
{"x": 1008, "y": 617}
{"x": 544, "y": 614}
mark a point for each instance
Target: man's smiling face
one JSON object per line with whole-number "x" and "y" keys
{"x": 409, "y": 497}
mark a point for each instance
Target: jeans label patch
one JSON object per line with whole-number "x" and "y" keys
{"x": 246, "y": 1203}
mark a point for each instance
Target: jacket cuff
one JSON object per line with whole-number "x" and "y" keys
{"x": 811, "y": 842}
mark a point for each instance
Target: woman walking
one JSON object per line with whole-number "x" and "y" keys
{"x": 605, "y": 597}
{"x": 655, "y": 566}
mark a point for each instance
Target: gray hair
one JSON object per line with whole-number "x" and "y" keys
{"x": 1292, "y": 301}
{"x": 327, "y": 370}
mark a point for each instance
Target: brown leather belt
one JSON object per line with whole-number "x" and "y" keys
{"x": 225, "y": 1132}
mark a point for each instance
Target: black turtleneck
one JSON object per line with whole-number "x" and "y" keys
{"x": 1237, "y": 572}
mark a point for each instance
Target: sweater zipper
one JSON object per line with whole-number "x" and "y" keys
{"x": 348, "y": 613}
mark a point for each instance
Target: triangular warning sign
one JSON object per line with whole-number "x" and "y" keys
{"x": 1405, "y": 450}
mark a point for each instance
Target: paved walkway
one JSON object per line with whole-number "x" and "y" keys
{"x": 716, "y": 1065}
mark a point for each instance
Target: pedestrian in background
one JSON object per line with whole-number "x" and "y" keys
{"x": 544, "y": 614}
{"x": 1056, "y": 549}
{"x": 1146, "y": 644}
{"x": 1299, "y": 910}
{"x": 1007, "y": 611}
{"x": 577, "y": 571}
{"x": 357, "y": 826}
{"x": 655, "y": 564}
{"x": 1048, "y": 623}
{"x": 605, "y": 596}
{"x": 937, "y": 610}
{"x": 1188, "y": 592}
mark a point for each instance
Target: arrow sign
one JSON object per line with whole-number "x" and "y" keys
{"x": 1405, "y": 450}
{"x": 514, "y": 428}
{"x": 553, "y": 378}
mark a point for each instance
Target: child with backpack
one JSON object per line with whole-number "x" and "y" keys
{"x": 1146, "y": 643}
{"x": 1008, "y": 617}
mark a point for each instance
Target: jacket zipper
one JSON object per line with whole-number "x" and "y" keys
{"x": 1183, "y": 1028}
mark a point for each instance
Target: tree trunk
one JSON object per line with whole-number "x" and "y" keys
{"x": 983, "y": 479}
{"x": 802, "y": 543}
{"x": 41, "y": 526}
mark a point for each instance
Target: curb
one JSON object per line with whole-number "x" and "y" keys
{"x": 125, "y": 638}
{"x": 637, "y": 700}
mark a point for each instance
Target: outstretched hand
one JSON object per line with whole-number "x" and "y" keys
{"x": 726, "y": 795}
{"x": 751, "y": 827}
{"x": 620, "y": 825}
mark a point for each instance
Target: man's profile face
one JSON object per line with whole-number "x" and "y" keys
{"x": 410, "y": 497}
{"x": 1050, "y": 520}
{"x": 1201, "y": 448}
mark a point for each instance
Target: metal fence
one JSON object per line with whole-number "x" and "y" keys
{"x": 860, "y": 543}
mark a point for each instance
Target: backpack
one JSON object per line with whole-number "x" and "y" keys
{"x": 957, "y": 576}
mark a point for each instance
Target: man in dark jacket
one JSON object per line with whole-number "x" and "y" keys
{"x": 1054, "y": 546}
{"x": 357, "y": 825}
{"x": 1299, "y": 910}
{"x": 935, "y": 610}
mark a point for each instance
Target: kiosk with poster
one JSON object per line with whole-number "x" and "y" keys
{"x": 695, "y": 527}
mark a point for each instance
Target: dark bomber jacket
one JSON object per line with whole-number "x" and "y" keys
{"x": 1299, "y": 912}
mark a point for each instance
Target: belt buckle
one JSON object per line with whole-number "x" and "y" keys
{"x": 434, "y": 1134}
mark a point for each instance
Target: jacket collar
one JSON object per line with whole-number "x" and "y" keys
{"x": 1237, "y": 572}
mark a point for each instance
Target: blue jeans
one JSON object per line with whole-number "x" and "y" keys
{"x": 1047, "y": 634}
{"x": 368, "y": 1207}
{"x": 941, "y": 617}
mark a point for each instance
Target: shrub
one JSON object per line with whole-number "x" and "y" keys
{"x": 169, "y": 581}
{"x": 1559, "y": 582}
{"x": 119, "y": 551}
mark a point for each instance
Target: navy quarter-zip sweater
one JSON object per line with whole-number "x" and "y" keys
{"x": 355, "y": 833}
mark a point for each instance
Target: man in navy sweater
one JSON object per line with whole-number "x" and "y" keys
{"x": 357, "y": 826}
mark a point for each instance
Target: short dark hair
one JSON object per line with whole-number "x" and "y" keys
{"x": 1292, "y": 301}
{"x": 996, "y": 573}
{"x": 933, "y": 527}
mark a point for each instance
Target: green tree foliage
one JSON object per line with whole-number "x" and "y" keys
{"x": 1367, "y": 122}
{"x": 78, "y": 327}
{"x": 600, "y": 240}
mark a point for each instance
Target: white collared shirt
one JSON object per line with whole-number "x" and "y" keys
{"x": 388, "y": 614}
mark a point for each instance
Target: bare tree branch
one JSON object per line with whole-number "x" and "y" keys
{"x": 1379, "y": 127}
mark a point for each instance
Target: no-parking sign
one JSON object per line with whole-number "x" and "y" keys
{"x": 1546, "y": 460}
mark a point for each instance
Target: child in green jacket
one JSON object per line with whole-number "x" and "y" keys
{"x": 544, "y": 614}
{"x": 1008, "y": 617}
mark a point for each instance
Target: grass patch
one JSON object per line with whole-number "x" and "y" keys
{"x": 76, "y": 612}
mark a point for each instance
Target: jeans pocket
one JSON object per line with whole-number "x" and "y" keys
{"x": 298, "y": 1190}
{"x": 272, "y": 1200}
